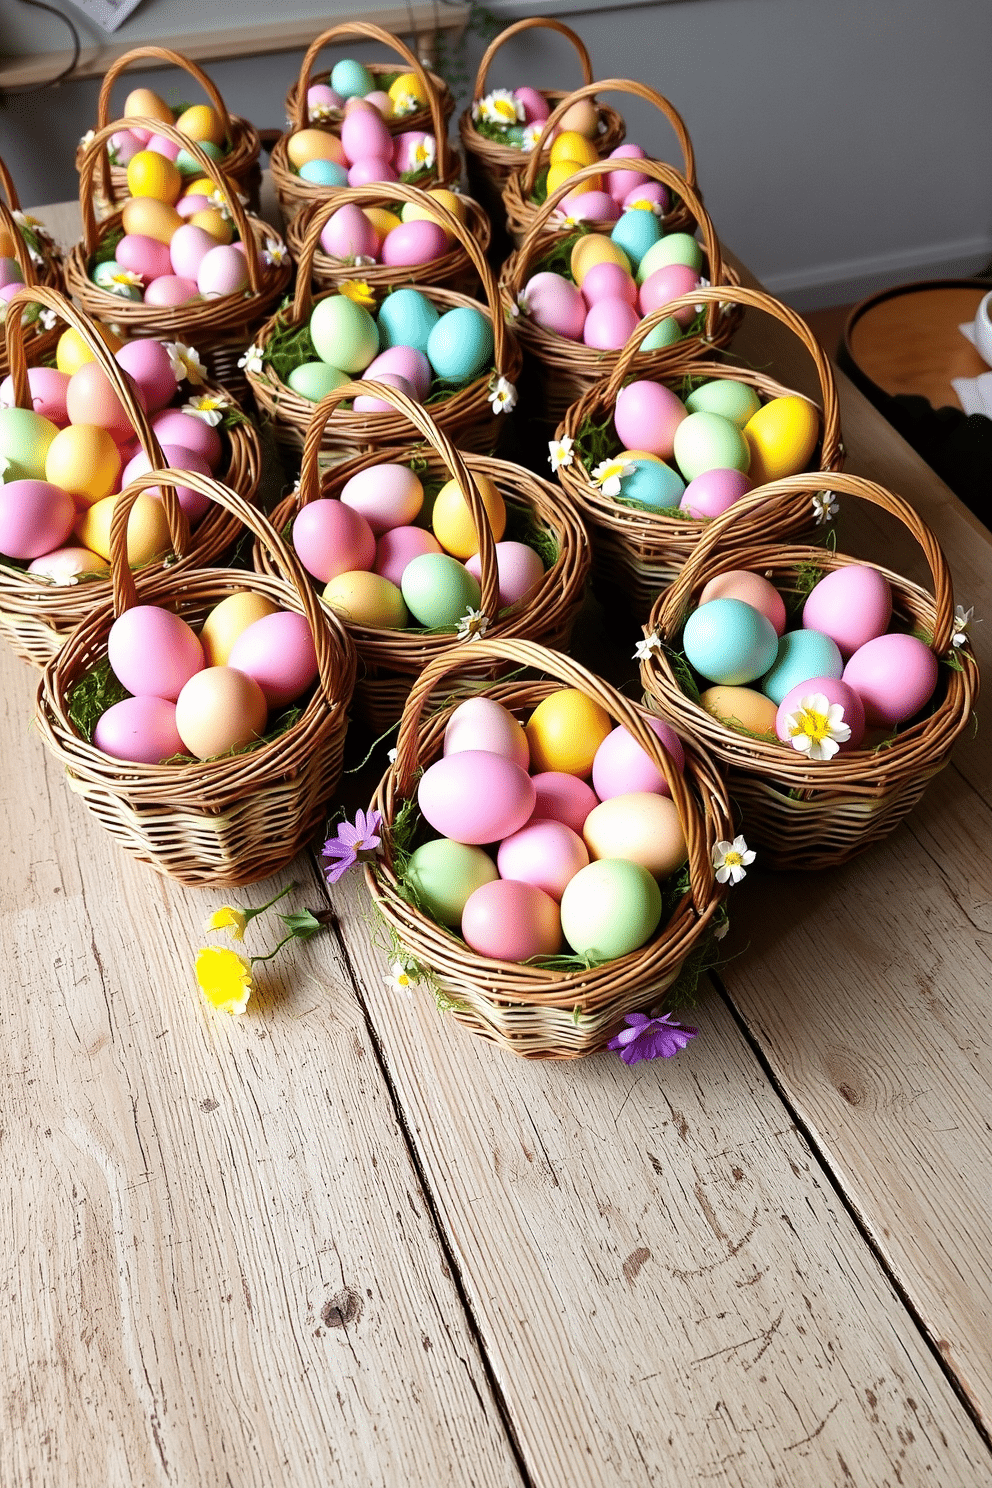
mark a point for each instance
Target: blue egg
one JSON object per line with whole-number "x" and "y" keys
{"x": 351, "y": 80}
{"x": 802, "y": 654}
{"x": 324, "y": 173}
{"x": 461, "y": 344}
{"x": 406, "y": 318}
{"x": 729, "y": 642}
{"x": 665, "y": 333}
{"x": 635, "y": 232}
{"x": 654, "y": 484}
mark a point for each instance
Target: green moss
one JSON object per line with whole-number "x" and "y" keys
{"x": 92, "y": 695}
{"x": 288, "y": 347}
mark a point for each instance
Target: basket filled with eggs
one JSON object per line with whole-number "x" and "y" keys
{"x": 651, "y": 460}
{"x": 28, "y": 256}
{"x": 352, "y": 131}
{"x": 576, "y": 297}
{"x": 454, "y": 354}
{"x": 421, "y": 545}
{"x": 231, "y": 141}
{"x": 561, "y": 152}
{"x": 548, "y": 853}
{"x": 70, "y": 435}
{"x": 500, "y": 128}
{"x": 179, "y": 258}
{"x": 201, "y": 717}
{"x": 831, "y": 690}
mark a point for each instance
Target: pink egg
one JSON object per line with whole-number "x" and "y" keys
{"x": 590, "y": 206}
{"x": 193, "y": 503}
{"x": 153, "y": 652}
{"x": 608, "y": 281}
{"x": 482, "y": 723}
{"x": 894, "y": 676}
{"x": 385, "y": 495}
{"x": 646, "y": 417}
{"x": 364, "y": 136}
{"x": 142, "y": 136}
{"x": 475, "y": 797}
{"x": 555, "y": 304}
{"x": 331, "y": 538}
{"x": 367, "y": 172}
{"x": 406, "y": 148}
{"x": 367, "y": 403}
{"x": 563, "y": 798}
{"x": 740, "y": 583}
{"x": 35, "y": 517}
{"x": 414, "y": 243}
{"x": 408, "y": 362}
{"x": 163, "y": 146}
{"x": 63, "y": 565}
{"x": 348, "y": 233}
{"x": 126, "y": 143}
{"x": 543, "y": 853}
{"x": 622, "y": 766}
{"x": 10, "y": 273}
{"x": 519, "y": 568}
{"x": 510, "y": 921}
{"x": 667, "y": 284}
{"x": 140, "y": 729}
{"x": 189, "y": 247}
{"x": 147, "y": 361}
{"x": 380, "y": 101}
{"x": 170, "y": 290}
{"x": 172, "y": 426}
{"x": 8, "y": 291}
{"x": 398, "y": 547}
{"x": 651, "y": 191}
{"x": 145, "y": 256}
{"x": 91, "y": 398}
{"x": 620, "y": 183}
{"x": 852, "y": 605}
{"x": 187, "y": 205}
{"x": 278, "y": 651}
{"x": 536, "y": 107}
{"x": 222, "y": 271}
{"x": 836, "y": 692}
{"x": 47, "y": 387}
{"x": 628, "y": 151}
{"x": 321, "y": 94}
{"x": 712, "y": 492}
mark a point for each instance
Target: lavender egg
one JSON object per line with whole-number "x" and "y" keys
{"x": 414, "y": 242}
{"x": 222, "y": 271}
{"x": 713, "y": 492}
{"x": 148, "y": 363}
{"x": 189, "y": 247}
{"x": 193, "y": 503}
{"x": 609, "y": 324}
{"x": 407, "y": 362}
{"x": 398, "y": 547}
{"x": 536, "y": 108}
{"x": 170, "y": 290}
{"x": 373, "y": 168}
{"x": 145, "y": 256}
{"x": 140, "y": 729}
{"x": 368, "y": 403}
{"x": 590, "y": 206}
{"x": 555, "y": 304}
{"x": 519, "y": 570}
{"x": 48, "y": 389}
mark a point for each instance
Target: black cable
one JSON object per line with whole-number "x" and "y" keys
{"x": 66, "y": 72}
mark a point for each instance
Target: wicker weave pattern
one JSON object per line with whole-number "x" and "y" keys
{"x": 42, "y": 343}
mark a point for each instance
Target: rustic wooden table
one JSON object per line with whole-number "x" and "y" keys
{"x": 340, "y": 1241}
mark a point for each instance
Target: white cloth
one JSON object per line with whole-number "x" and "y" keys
{"x": 974, "y": 393}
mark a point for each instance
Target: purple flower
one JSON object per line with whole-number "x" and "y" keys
{"x": 650, "y": 1038}
{"x": 353, "y": 844}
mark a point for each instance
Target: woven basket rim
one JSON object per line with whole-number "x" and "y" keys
{"x": 415, "y": 120}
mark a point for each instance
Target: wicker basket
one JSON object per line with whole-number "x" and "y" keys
{"x": 564, "y": 370}
{"x": 466, "y": 417}
{"x": 454, "y": 268}
{"x": 219, "y": 329}
{"x": 490, "y": 164}
{"x": 391, "y": 659}
{"x": 638, "y": 553}
{"x": 816, "y": 813}
{"x": 518, "y": 193}
{"x": 539, "y": 1013}
{"x": 230, "y": 820}
{"x": 42, "y": 342}
{"x": 295, "y": 193}
{"x": 239, "y": 163}
{"x": 35, "y": 615}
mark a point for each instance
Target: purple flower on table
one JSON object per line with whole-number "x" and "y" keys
{"x": 650, "y": 1038}
{"x": 355, "y": 843}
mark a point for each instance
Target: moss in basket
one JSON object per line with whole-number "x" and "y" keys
{"x": 95, "y": 692}
{"x": 106, "y": 249}
{"x": 288, "y": 347}
{"x": 523, "y": 527}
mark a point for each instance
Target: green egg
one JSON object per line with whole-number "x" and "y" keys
{"x": 443, "y": 874}
{"x": 460, "y": 346}
{"x": 314, "y": 380}
{"x": 675, "y": 248}
{"x": 515, "y": 136}
{"x": 24, "y": 440}
{"x": 438, "y": 590}
{"x": 406, "y": 318}
{"x": 610, "y": 908}
{"x": 636, "y": 232}
{"x": 187, "y": 166}
{"x": 707, "y": 441}
{"x": 730, "y": 399}
{"x": 665, "y": 333}
{"x": 103, "y": 275}
{"x": 343, "y": 333}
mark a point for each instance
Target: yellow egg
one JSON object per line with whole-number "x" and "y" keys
{"x": 218, "y": 710}
{"x": 313, "y": 144}
{"x": 781, "y": 436}
{"x": 147, "y": 529}
{"x": 6, "y": 245}
{"x": 455, "y": 204}
{"x": 641, "y": 827}
{"x": 570, "y": 145}
{"x": 151, "y": 174}
{"x": 626, "y": 455}
{"x": 84, "y": 460}
{"x": 408, "y": 83}
{"x": 366, "y": 599}
{"x": 594, "y": 249}
{"x": 71, "y": 353}
{"x": 201, "y": 122}
{"x": 564, "y": 170}
{"x": 202, "y": 186}
{"x": 381, "y": 220}
{"x": 564, "y": 732}
{"x": 142, "y": 103}
{"x": 227, "y": 620}
{"x": 213, "y": 221}
{"x": 452, "y": 520}
{"x": 582, "y": 117}
{"x": 150, "y": 218}
{"x": 741, "y": 708}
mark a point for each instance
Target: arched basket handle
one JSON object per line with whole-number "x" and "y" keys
{"x": 544, "y": 23}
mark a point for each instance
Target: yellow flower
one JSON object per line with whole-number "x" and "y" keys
{"x": 360, "y": 291}
{"x": 228, "y": 917}
{"x": 224, "y": 978}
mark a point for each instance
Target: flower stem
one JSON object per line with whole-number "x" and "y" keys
{"x": 251, "y": 913}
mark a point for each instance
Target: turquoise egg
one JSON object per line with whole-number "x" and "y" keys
{"x": 187, "y": 166}
{"x": 438, "y": 590}
{"x": 654, "y": 484}
{"x": 314, "y": 380}
{"x": 635, "y": 232}
{"x": 406, "y": 318}
{"x": 801, "y": 654}
{"x": 665, "y": 333}
{"x": 726, "y": 396}
{"x": 350, "y": 79}
{"x": 515, "y": 136}
{"x": 324, "y": 173}
{"x": 707, "y": 441}
{"x": 343, "y": 333}
{"x": 443, "y": 874}
{"x": 730, "y": 642}
{"x": 676, "y": 248}
{"x": 461, "y": 344}
{"x": 24, "y": 440}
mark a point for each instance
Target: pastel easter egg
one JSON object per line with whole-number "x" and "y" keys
{"x": 608, "y": 281}
{"x": 563, "y": 170}
{"x": 894, "y": 676}
{"x": 371, "y": 169}
{"x": 483, "y": 723}
{"x": 201, "y": 122}
{"x": 218, "y": 710}
{"x": 84, "y": 460}
{"x": 414, "y": 243}
{"x": 646, "y": 196}
{"x": 610, "y": 909}
{"x": 172, "y": 426}
{"x": 673, "y": 248}
{"x": 147, "y": 361}
{"x": 145, "y": 104}
{"x": 590, "y": 206}
{"x": 729, "y": 642}
{"x": 163, "y": 146}
{"x": 592, "y": 249}
{"x": 350, "y": 79}
{"x": 25, "y": 438}
{"x": 385, "y": 495}
{"x": 408, "y": 363}
{"x": 279, "y": 652}
{"x": 562, "y": 797}
{"x": 332, "y": 537}
{"x": 91, "y": 398}
{"x": 564, "y": 732}
{"x": 438, "y": 590}
{"x": 733, "y": 400}
{"x": 187, "y": 165}
{"x": 65, "y": 565}
{"x": 546, "y": 854}
{"x": 640, "y": 827}
{"x": 140, "y": 729}
{"x": 145, "y": 256}
{"x": 348, "y": 233}
{"x": 215, "y": 223}
{"x": 621, "y": 765}
{"x": 153, "y": 652}
{"x": 72, "y": 351}
{"x": 801, "y": 654}
{"x": 460, "y": 346}
{"x": 10, "y": 273}
{"x": 371, "y": 403}
{"x": 222, "y": 271}
{"x": 511, "y": 921}
{"x": 148, "y": 217}
{"x": 742, "y": 709}
{"x": 452, "y": 519}
{"x": 364, "y": 134}
{"x": 35, "y": 517}
{"x": 321, "y": 95}
{"x": 636, "y": 232}
{"x": 554, "y": 303}
{"x": 536, "y": 108}
{"x": 519, "y": 571}
{"x": 314, "y": 144}
{"x": 626, "y": 179}
{"x": 406, "y": 318}
{"x": 475, "y": 797}
{"x": 314, "y": 380}
{"x": 801, "y": 715}
{"x": 343, "y": 333}
{"x": 705, "y": 441}
{"x": 646, "y": 416}
{"x": 152, "y": 175}
{"x": 187, "y": 206}
{"x": 444, "y": 874}
{"x": 652, "y": 483}
{"x": 323, "y": 173}
{"x": 570, "y": 145}
{"x": 147, "y": 529}
{"x": 194, "y": 503}
{"x": 125, "y": 145}
{"x": 47, "y": 388}
{"x": 710, "y": 493}
{"x": 170, "y": 290}
{"x": 782, "y": 436}
{"x": 398, "y": 547}
{"x": 609, "y": 324}
{"x": 665, "y": 285}
{"x": 752, "y": 588}
{"x": 582, "y": 117}
{"x": 189, "y": 247}
{"x": 852, "y": 605}
{"x": 228, "y": 619}
{"x": 452, "y": 201}
{"x": 366, "y": 599}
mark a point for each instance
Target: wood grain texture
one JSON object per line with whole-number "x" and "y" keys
{"x": 910, "y": 343}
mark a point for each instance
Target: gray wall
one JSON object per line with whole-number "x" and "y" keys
{"x": 841, "y": 144}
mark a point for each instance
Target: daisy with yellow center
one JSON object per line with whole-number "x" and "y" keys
{"x": 122, "y": 283}
{"x": 608, "y": 474}
{"x": 817, "y": 728}
{"x": 500, "y": 107}
{"x": 731, "y": 859}
{"x": 208, "y": 408}
{"x": 187, "y": 364}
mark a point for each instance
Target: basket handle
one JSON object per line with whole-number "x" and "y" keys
{"x": 365, "y": 31}
{"x": 398, "y": 191}
{"x": 98, "y": 150}
{"x": 545, "y": 23}
{"x": 613, "y": 85}
{"x": 555, "y": 664}
{"x": 657, "y": 170}
{"x": 9, "y": 189}
{"x": 733, "y": 294}
{"x": 419, "y": 417}
{"x": 321, "y": 622}
{"x": 21, "y": 251}
{"x": 676, "y": 597}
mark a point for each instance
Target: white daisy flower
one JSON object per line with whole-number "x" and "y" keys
{"x": 608, "y": 474}
{"x": 560, "y": 453}
{"x": 86, "y": 139}
{"x": 121, "y": 282}
{"x": 252, "y": 360}
{"x": 187, "y": 364}
{"x": 532, "y": 133}
{"x": 219, "y": 200}
{"x": 403, "y": 977}
{"x": 425, "y": 153}
{"x": 48, "y": 318}
{"x": 274, "y": 253}
{"x": 825, "y": 507}
{"x": 406, "y": 103}
{"x": 319, "y": 113}
{"x": 500, "y": 107}
{"x": 817, "y": 728}
{"x": 391, "y": 755}
{"x": 721, "y": 928}
{"x": 208, "y": 408}
{"x": 503, "y": 398}
{"x": 962, "y": 619}
{"x": 730, "y": 859}
{"x": 648, "y": 648}
{"x": 472, "y": 625}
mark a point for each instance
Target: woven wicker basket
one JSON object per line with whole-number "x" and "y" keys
{"x": 490, "y": 164}
{"x": 637, "y": 553}
{"x": 41, "y": 343}
{"x": 239, "y": 163}
{"x": 564, "y": 370}
{"x": 219, "y": 329}
{"x": 230, "y": 820}
{"x": 816, "y": 813}
{"x": 538, "y": 1013}
{"x": 518, "y": 193}
{"x": 453, "y": 269}
{"x": 466, "y": 417}
{"x": 293, "y": 192}
{"x": 35, "y": 615}
{"x": 389, "y": 660}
